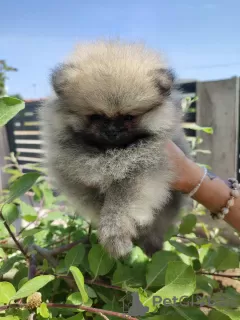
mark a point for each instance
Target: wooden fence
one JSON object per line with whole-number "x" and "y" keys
{"x": 217, "y": 106}
{"x": 24, "y": 134}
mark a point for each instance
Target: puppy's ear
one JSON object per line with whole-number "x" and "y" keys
{"x": 59, "y": 79}
{"x": 165, "y": 79}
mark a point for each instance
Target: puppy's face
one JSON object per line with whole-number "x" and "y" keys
{"x": 108, "y": 105}
{"x": 118, "y": 131}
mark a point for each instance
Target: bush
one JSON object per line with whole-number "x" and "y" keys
{"x": 54, "y": 267}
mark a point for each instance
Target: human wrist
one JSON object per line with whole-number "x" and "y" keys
{"x": 188, "y": 177}
{"x": 187, "y": 174}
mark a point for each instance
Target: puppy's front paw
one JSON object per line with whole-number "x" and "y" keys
{"x": 116, "y": 235}
{"x": 117, "y": 246}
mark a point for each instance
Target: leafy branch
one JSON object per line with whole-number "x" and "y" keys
{"x": 55, "y": 267}
{"x": 12, "y": 235}
{"x": 73, "y": 306}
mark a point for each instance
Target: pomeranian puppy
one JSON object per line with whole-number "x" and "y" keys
{"x": 105, "y": 127}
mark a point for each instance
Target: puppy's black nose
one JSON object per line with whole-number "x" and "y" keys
{"x": 113, "y": 128}
{"x": 111, "y": 132}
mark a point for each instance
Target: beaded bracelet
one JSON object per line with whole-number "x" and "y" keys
{"x": 235, "y": 186}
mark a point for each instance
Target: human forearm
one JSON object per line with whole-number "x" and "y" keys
{"x": 213, "y": 194}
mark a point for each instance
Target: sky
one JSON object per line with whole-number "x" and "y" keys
{"x": 200, "y": 38}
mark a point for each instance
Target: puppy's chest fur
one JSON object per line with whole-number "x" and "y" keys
{"x": 101, "y": 169}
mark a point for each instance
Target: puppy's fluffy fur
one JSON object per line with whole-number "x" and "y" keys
{"x": 105, "y": 128}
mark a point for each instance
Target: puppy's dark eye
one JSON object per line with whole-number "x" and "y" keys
{"x": 96, "y": 117}
{"x": 128, "y": 117}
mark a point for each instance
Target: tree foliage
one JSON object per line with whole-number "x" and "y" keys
{"x": 4, "y": 68}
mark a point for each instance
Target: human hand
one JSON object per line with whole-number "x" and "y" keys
{"x": 187, "y": 173}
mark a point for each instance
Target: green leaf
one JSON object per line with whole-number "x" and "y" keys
{"x": 194, "y": 126}
{"x": 2, "y": 254}
{"x": 27, "y": 241}
{"x": 208, "y": 258}
{"x": 135, "y": 269}
{"x": 76, "y": 298}
{"x": 196, "y": 264}
{"x": 48, "y": 196}
{"x": 93, "y": 238}
{"x": 37, "y": 193}
{"x": 79, "y": 279}
{"x": 172, "y": 230}
{"x": 74, "y": 256}
{"x": 22, "y": 282}
{"x": 32, "y": 286}
{"x": 122, "y": 275}
{"x": 54, "y": 216}
{"x": 205, "y": 284}
{"x": 232, "y": 296}
{"x": 8, "y": 264}
{"x": 180, "y": 281}
{"x": 164, "y": 317}
{"x": 226, "y": 259}
{"x": 100, "y": 262}
{"x": 156, "y": 268}
{"x": 9, "y": 107}
{"x": 10, "y": 213}
{"x": 136, "y": 257}
{"x": 176, "y": 312}
{"x": 104, "y": 294}
{"x": 189, "y": 313}
{"x": 45, "y": 265}
{"x": 22, "y": 185}
{"x": 30, "y": 232}
{"x": 20, "y": 274}
{"x": 208, "y": 130}
{"x": 22, "y": 314}
{"x": 10, "y": 317}
{"x": 138, "y": 276}
{"x": 113, "y": 306}
{"x": 225, "y": 299}
{"x": 60, "y": 268}
{"x": 189, "y": 251}
{"x": 28, "y": 213}
{"x": 216, "y": 315}
{"x": 78, "y": 316}
{"x": 3, "y": 231}
{"x": 7, "y": 291}
{"x": 90, "y": 292}
{"x": 187, "y": 224}
{"x": 43, "y": 311}
{"x": 232, "y": 314}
